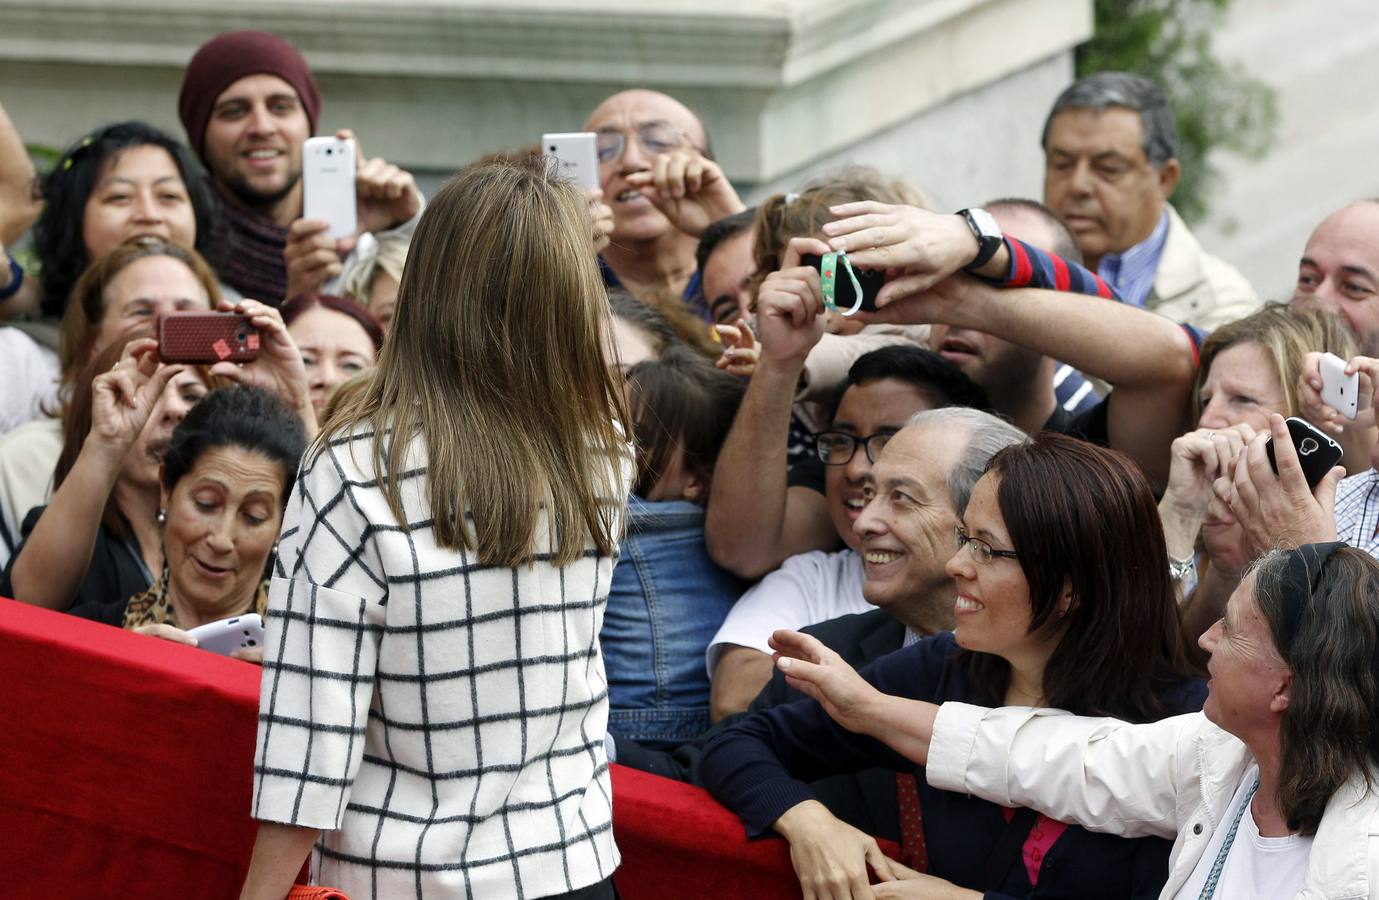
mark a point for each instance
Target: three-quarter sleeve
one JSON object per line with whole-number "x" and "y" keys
{"x": 325, "y": 624}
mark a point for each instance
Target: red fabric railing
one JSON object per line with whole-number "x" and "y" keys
{"x": 126, "y": 773}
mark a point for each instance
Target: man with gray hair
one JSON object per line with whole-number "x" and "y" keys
{"x": 912, "y": 498}
{"x": 916, "y": 494}
{"x": 1110, "y": 165}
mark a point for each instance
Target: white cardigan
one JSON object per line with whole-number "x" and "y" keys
{"x": 1173, "y": 779}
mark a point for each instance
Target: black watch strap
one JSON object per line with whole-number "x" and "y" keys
{"x": 987, "y": 233}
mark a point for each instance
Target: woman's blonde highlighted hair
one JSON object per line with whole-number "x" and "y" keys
{"x": 495, "y": 359}
{"x": 1287, "y": 334}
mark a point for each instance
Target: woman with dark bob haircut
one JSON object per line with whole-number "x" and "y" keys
{"x": 225, "y": 483}
{"x": 1269, "y": 791}
{"x": 1063, "y": 601}
{"x": 71, "y": 232}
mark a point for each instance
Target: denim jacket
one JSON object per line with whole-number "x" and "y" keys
{"x": 666, "y": 602}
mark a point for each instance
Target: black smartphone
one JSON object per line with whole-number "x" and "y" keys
{"x": 1317, "y": 452}
{"x": 844, "y": 296}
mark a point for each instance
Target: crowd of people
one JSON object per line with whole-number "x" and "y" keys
{"x": 1022, "y": 570}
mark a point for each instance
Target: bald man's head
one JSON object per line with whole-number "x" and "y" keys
{"x": 628, "y": 108}
{"x": 646, "y": 121}
{"x": 1339, "y": 270}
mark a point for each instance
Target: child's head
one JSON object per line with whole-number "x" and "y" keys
{"x": 682, "y": 407}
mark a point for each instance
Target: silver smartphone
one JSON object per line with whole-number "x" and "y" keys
{"x": 576, "y": 155}
{"x": 328, "y": 184}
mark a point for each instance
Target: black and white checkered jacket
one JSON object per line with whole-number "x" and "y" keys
{"x": 441, "y": 719}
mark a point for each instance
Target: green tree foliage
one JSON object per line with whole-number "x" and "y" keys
{"x": 1217, "y": 104}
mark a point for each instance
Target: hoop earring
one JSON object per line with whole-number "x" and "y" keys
{"x": 162, "y": 517}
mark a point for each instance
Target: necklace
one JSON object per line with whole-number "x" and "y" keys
{"x": 1214, "y": 876}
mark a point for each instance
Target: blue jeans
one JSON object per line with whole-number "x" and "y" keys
{"x": 665, "y": 604}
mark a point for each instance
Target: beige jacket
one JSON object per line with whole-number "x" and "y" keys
{"x": 1195, "y": 287}
{"x": 1171, "y": 779}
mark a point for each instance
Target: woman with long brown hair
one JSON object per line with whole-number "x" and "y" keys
{"x": 434, "y": 701}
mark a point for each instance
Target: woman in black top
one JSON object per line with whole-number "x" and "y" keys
{"x": 1064, "y": 600}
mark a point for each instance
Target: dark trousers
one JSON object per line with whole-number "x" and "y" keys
{"x": 604, "y": 890}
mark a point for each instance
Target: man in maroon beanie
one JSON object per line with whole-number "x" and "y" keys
{"x": 248, "y": 102}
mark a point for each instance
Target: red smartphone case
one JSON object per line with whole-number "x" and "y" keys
{"x": 206, "y": 338}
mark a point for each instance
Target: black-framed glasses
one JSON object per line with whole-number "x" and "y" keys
{"x": 654, "y": 137}
{"x": 981, "y": 551}
{"x": 835, "y": 448}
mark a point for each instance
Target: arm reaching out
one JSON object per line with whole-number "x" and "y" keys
{"x": 1150, "y": 360}
{"x": 754, "y": 520}
{"x": 821, "y": 674}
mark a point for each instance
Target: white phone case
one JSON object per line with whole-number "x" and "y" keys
{"x": 577, "y": 156}
{"x": 328, "y": 184}
{"x": 228, "y": 635}
{"x": 1340, "y": 391}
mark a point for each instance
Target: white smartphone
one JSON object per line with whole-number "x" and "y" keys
{"x": 228, "y": 635}
{"x": 328, "y": 184}
{"x": 1340, "y": 391}
{"x": 576, "y": 155}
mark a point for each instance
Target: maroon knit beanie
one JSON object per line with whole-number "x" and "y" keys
{"x": 225, "y": 59}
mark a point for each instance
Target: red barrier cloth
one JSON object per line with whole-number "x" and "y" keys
{"x": 126, "y": 771}
{"x": 678, "y": 842}
{"x": 127, "y": 762}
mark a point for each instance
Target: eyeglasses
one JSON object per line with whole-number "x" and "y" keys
{"x": 981, "y": 551}
{"x": 654, "y": 137}
{"x": 836, "y": 448}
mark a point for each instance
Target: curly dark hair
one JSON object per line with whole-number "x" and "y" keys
{"x": 58, "y": 236}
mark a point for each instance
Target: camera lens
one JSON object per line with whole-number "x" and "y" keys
{"x": 329, "y": 151}
{"x": 552, "y": 148}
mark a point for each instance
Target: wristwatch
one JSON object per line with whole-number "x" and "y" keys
{"x": 987, "y": 233}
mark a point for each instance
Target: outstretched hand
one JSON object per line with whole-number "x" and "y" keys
{"x": 822, "y": 675}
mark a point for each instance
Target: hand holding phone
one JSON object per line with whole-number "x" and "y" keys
{"x": 576, "y": 156}
{"x": 1340, "y": 391}
{"x": 229, "y": 635}
{"x": 845, "y": 295}
{"x": 328, "y": 190}
{"x": 1317, "y": 453}
{"x": 206, "y": 338}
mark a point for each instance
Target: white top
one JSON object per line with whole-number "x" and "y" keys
{"x": 442, "y": 720}
{"x": 1256, "y": 866}
{"x": 807, "y": 589}
{"x": 28, "y": 455}
{"x": 1174, "y": 779}
{"x": 29, "y": 373}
